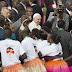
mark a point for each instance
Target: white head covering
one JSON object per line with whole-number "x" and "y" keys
{"x": 36, "y": 15}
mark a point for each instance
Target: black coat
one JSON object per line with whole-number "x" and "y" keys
{"x": 1, "y": 34}
{"x": 49, "y": 8}
{"x": 65, "y": 42}
{"x": 20, "y": 8}
{"x": 15, "y": 15}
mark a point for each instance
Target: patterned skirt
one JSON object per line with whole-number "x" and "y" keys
{"x": 15, "y": 68}
{"x": 57, "y": 66}
{"x": 35, "y": 65}
{"x": 70, "y": 69}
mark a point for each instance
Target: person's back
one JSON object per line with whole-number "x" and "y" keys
{"x": 27, "y": 44}
{"x": 42, "y": 44}
{"x": 10, "y": 52}
{"x": 29, "y": 48}
{"x": 32, "y": 63}
{"x": 65, "y": 38}
{"x": 52, "y": 55}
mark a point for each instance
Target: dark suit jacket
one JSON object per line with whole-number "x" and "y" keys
{"x": 49, "y": 8}
{"x": 65, "y": 39}
{"x": 70, "y": 21}
{"x": 1, "y": 34}
{"x": 15, "y": 15}
{"x": 48, "y": 2}
{"x": 20, "y": 8}
{"x": 37, "y": 9}
{"x": 7, "y": 21}
{"x": 70, "y": 46}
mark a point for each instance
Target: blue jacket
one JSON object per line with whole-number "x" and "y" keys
{"x": 1, "y": 34}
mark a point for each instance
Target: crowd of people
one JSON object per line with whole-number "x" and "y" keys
{"x": 34, "y": 41}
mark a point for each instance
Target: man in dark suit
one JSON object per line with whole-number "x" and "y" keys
{"x": 65, "y": 18}
{"x": 65, "y": 38}
{"x": 61, "y": 16}
{"x": 15, "y": 12}
{"x": 6, "y": 13}
{"x": 36, "y": 9}
{"x": 68, "y": 10}
{"x": 49, "y": 8}
{"x": 22, "y": 5}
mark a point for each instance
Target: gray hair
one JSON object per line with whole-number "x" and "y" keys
{"x": 2, "y": 10}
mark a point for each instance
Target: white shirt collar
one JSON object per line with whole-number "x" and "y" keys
{"x": 22, "y": 3}
{"x": 15, "y": 10}
{"x": 68, "y": 11}
{"x": 1, "y": 27}
{"x": 33, "y": 4}
{"x": 9, "y": 20}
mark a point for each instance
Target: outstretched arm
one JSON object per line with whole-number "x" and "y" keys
{"x": 44, "y": 32}
{"x": 69, "y": 58}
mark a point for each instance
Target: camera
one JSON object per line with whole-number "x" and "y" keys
{"x": 60, "y": 10}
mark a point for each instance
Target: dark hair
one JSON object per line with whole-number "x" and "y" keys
{"x": 42, "y": 36}
{"x": 7, "y": 32}
{"x": 54, "y": 37}
{"x": 28, "y": 8}
{"x": 3, "y": 4}
{"x": 55, "y": 29}
{"x": 46, "y": 29}
{"x": 35, "y": 32}
{"x": 61, "y": 23}
{"x": 34, "y": 1}
{"x": 14, "y": 3}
